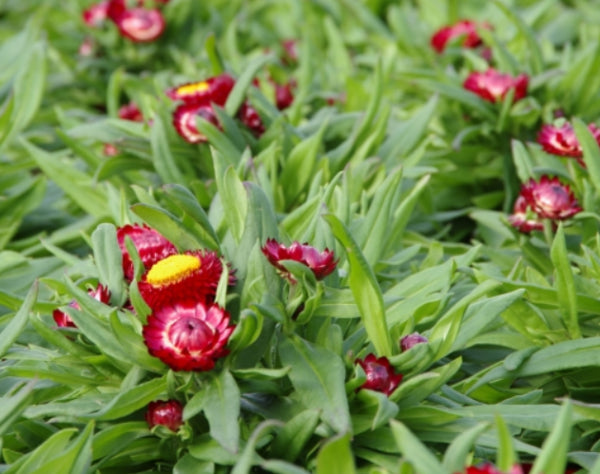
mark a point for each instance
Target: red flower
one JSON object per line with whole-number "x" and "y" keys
{"x": 492, "y": 85}
{"x": 115, "y": 9}
{"x": 491, "y": 469}
{"x": 131, "y": 112}
{"x": 521, "y": 218}
{"x": 381, "y": 376}
{"x": 465, "y": 28}
{"x": 550, "y": 199}
{"x": 284, "y": 95}
{"x": 321, "y": 263}
{"x": 193, "y": 275}
{"x": 63, "y": 320}
{"x": 407, "y": 342}
{"x": 215, "y": 89}
{"x": 151, "y": 247}
{"x": 562, "y": 140}
{"x": 165, "y": 413}
{"x": 188, "y": 334}
{"x": 184, "y": 121}
{"x": 250, "y": 118}
{"x": 95, "y": 15}
{"x": 141, "y": 25}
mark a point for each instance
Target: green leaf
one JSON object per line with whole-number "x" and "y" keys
{"x": 335, "y": 457}
{"x": 564, "y": 283}
{"x": 365, "y": 289}
{"x": 455, "y": 458}
{"x": 221, "y": 407}
{"x": 523, "y": 162}
{"x": 553, "y": 458}
{"x": 233, "y": 196}
{"x": 415, "y": 452}
{"x": 12, "y": 405}
{"x": 163, "y": 159}
{"x": 107, "y": 256}
{"x": 238, "y": 93}
{"x": 505, "y": 458}
{"x": 248, "y": 457}
{"x": 591, "y": 151}
{"x": 17, "y": 324}
{"x": 317, "y": 375}
{"x": 292, "y": 438}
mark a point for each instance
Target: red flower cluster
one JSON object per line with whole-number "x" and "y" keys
{"x": 562, "y": 141}
{"x": 321, "y": 263}
{"x": 63, "y": 320}
{"x": 546, "y": 199}
{"x": 165, "y": 413}
{"x": 463, "y": 29}
{"x": 198, "y": 99}
{"x": 492, "y": 85}
{"x": 140, "y": 23}
{"x": 381, "y": 376}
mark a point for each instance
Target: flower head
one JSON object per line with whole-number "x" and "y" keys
{"x": 250, "y": 118}
{"x": 115, "y": 9}
{"x": 407, "y": 342}
{"x": 491, "y": 469}
{"x": 492, "y": 85}
{"x": 62, "y": 319}
{"x": 194, "y": 275}
{"x": 140, "y": 24}
{"x": 284, "y": 95}
{"x": 95, "y": 15}
{"x": 523, "y": 218}
{"x": 381, "y": 376}
{"x": 131, "y": 112}
{"x": 165, "y": 413}
{"x": 550, "y": 199}
{"x": 465, "y": 28}
{"x": 188, "y": 334}
{"x": 184, "y": 121}
{"x": 562, "y": 141}
{"x": 321, "y": 263}
{"x": 212, "y": 90}
{"x": 150, "y": 244}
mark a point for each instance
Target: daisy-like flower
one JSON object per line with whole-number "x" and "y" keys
{"x": 141, "y": 25}
{"x": 321, "y": 263}
{"x": 63, "y": 320}
{"x": 131, "y": 112}
{"x": 381, "y": 376}
{"x": 150, "y": 244}
{"x": 188, "y": 334}
{"x": 184, "y": 121}
{"x": 465, "y": 29}
{"x": 492, "y": 85}
{"x": 193, "y": 275}
{"x": 96, "y": 14}
{"x": 165, "y": 413}
{"x": 550, "y": 199}
{"x": 411, "y": 340}
{"x": 523, "y": 218}
{"x": 562, "y": 141}
{"x": 214, "y": 89}
{"x": 250, "y": 118}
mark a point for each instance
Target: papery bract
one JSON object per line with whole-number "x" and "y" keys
{"x": 284, "y": 95}
{"x": 381, "y": 376}
{"x": 167, "y": 413}
{"x": 523, "y": 218}
{"x": 250, "y": 118}
{"x": 562, "y": 141}
{"x": 193, "y": 275}
{"x": 492, "y": 85}
{"x": 63, "y": 320}
{"x": 411, "y": 340}
{"x": 321, "y": 263}
{"x": 150, "y": 244}
{"x": 188, "y": 334}
{"x": 550, "y": 199}
{"x": 184, "y": 121}
{"x": 214, "y": 89}
{"x": 131, "y": 112}
{"x": 464, "y": 28}
{"x": 141, "y": 25}
{"x": 96, "y": 14}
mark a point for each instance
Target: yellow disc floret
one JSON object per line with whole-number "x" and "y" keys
{"x": 172, "y": 269}
{"x": 193, "y": 88}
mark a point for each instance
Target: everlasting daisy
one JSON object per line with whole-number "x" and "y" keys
{"x": 550, "y": 199}
{"x": 321, "y": 263}
{"x": 212, "y": 90}
{"x": 492, "y": 85}
{"x": 381, "y": 376}
{"x": 165, "y": 413}
{"x": 465, "y": 29}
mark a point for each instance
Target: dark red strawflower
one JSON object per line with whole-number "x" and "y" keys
{"x": 492, "y": 85}
{"x": 523, "y": 218}
{"x": 562, "y": 140}
{"x": 131, "y": 112}
{"x": 491, "y": 469}
{"x": 193, "y": 275}
{"x": 214, "y": 89}
{"x": 550, "y": 199}
{"x": 165, "y": 413}
{"x": 381, "y": 376}
{"x": 184, "y": 121}
{"x": 411, "y": 340}
{"x": 151, "y": 246}
{"x": 465, "y": 28}
{"x": 115, "y": 9}
{"x": 141, "y": 25}
{"x": 321, "y": 263}
{"x": 250, "y": 118}
{"x": 284, "y": 95}
{"x": 95, "y": 15}
{"x": 188, "y": 334}
{"x": 63, "y": 320}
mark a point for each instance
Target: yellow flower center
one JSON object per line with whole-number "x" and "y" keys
{"x": 193, "y": 88}
{"x": 172, "y": 269}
